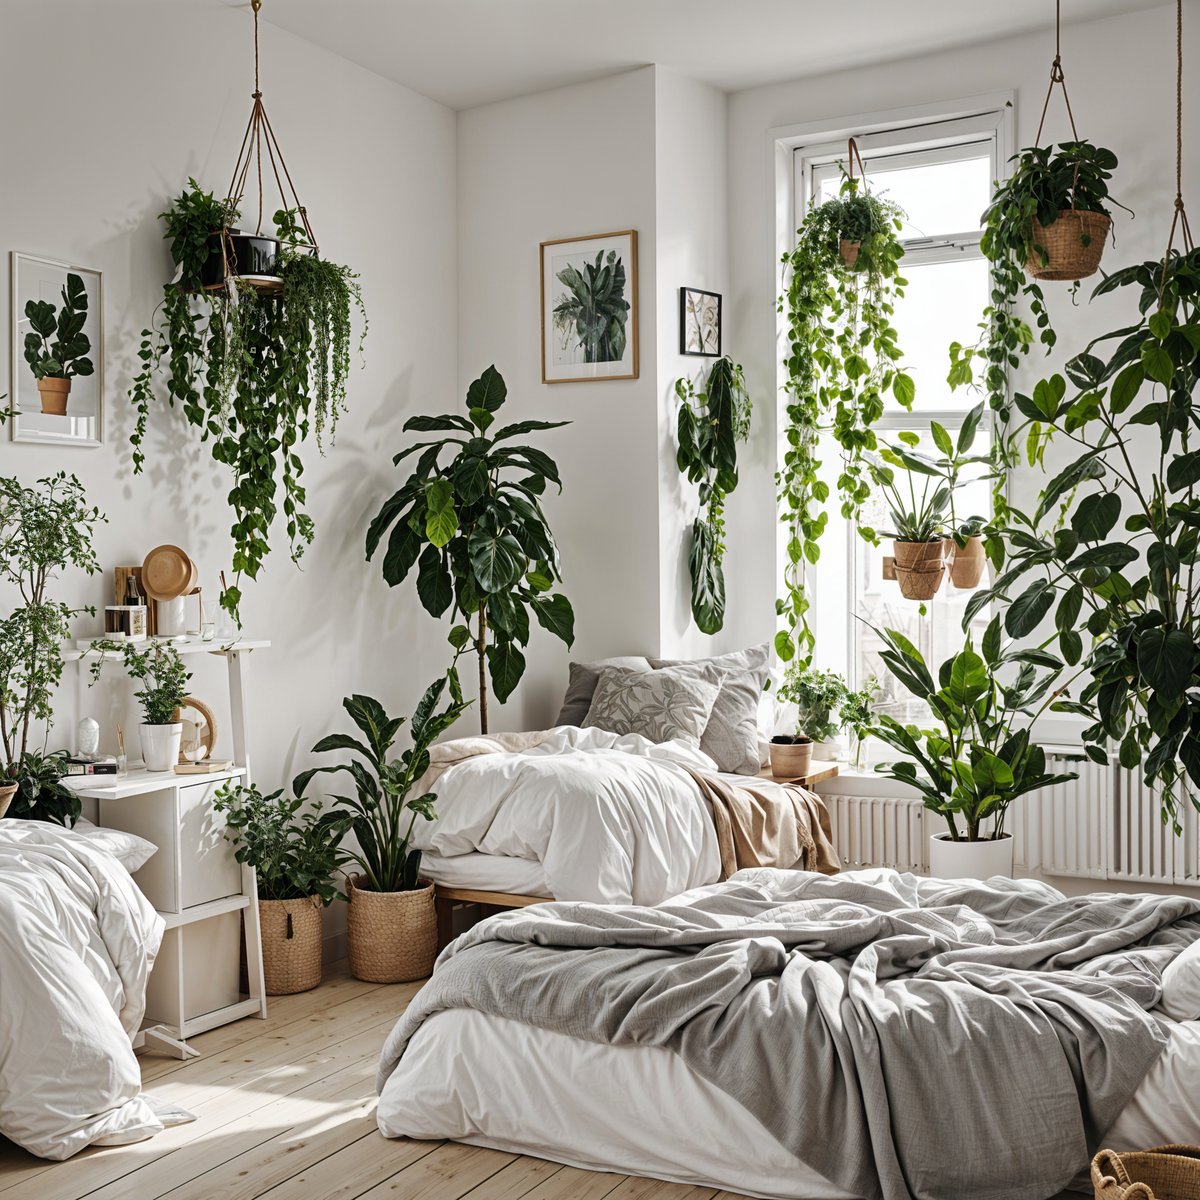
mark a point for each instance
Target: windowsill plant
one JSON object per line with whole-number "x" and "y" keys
{"x": 816, "y": 695}
{"x": 919, "y": 520}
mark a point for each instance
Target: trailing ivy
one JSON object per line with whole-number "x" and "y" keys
{"x": 710, "y": 425}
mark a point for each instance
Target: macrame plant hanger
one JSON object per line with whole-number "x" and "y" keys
{"x": 259, "y": 135}
{"x": 1057, "y": 79}
{"x": 848, "y": 249}
{"x": 1179, "y": 219}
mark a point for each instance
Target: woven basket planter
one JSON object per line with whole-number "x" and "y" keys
{"x": 393, "y": 935}
{"x": 291, "y": 942}
{"x": 1164, "y": 1173}
{"x": 1074, "y": 245}
{"x": 920, "y": 568}
{"x": 7, "y": 792}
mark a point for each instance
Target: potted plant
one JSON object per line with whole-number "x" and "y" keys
{"x": 474, "y": 528}
{"x": 56, "y": 362}
{"x": 294, "y": 854}
{"x": 392, "y": 923}
{"x": 45, "y": 527}
{"x": 164, "y": 681}
{"x": 919, "y": 524}
{"x": 817, "y": 695}
{"x": 977, "y": 757}
{"x": 857, "y": 714}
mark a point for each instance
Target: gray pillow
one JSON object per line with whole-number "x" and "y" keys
{"x": 663, "y": 706}
{"x": 582, "y": 683}
{"x": 731, "y": 738}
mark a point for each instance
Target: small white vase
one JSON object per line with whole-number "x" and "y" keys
{"x": 970, "y": 860}
{"x": 833, "y": 750}
{"x": 160, "y": 745}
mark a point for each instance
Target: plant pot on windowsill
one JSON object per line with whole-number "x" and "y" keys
{"x": 392, "y": 935}
{"x": 291, "y": 942}
{"x": 949, "y": 859}
{"x": 1072, "y": 246}
{"x": 54, "y": 393}
{"x": 791, "y": 757}
{"x": 966, "y": 567}
{"x": 160, "y": 745}
{"x": 920, "y": 568}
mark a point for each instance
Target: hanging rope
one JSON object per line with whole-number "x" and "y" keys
{"x": 852, "y": 154}
{"x": 1179, "y": 219}
{"x": 1057, "y": 79}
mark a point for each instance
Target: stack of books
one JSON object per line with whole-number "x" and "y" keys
{"x": 102, "y": 764}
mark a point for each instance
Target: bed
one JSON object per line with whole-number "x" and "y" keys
{"x": 985, "y": 1041}
{"x": 77, "y": 942}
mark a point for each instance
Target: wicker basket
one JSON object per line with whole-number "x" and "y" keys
{"x": 393, "y": 935}
{"x": 920, "y": 568}
{"x": 7, "y": 792}
{"x": 291, "y": 938}
{"x": 1074, "y": 245}
{"x": 1164, "y": 1173}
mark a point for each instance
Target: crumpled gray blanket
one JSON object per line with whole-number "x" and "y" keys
{"x": 905, "y": 1037}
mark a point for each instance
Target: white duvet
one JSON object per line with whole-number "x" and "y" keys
{"x": 77, "y": 941}
{"x": 612, "y": 819}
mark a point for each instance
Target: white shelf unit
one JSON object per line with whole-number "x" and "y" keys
{"x": 208, "y": 901}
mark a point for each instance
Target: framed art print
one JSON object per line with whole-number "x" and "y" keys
{"x": 699, "y": 322}
{"x": 57, "y": 313}
{"x": 589, "y": 308}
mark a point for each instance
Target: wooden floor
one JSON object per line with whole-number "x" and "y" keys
{"x": 286, "y": 1109}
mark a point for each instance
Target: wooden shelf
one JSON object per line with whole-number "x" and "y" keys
{"x": 137, "y": 783}
{"x": 818, "y": 772}
{"x": 201, "y": 912}
{"x": 193, "y": 646}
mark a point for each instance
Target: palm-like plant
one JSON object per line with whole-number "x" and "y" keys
{"x": 596, "y": 308}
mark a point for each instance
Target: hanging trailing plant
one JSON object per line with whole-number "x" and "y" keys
{"x": 841, "y": 366}
{"x": 710, "y": 425}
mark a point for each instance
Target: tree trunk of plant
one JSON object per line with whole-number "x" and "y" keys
{"x": 481, "y": 649}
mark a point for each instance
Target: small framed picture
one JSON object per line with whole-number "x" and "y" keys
{"x": 589, "y": 308}
{"x": 56, "y": 388}
{"x": 699, "y": 322}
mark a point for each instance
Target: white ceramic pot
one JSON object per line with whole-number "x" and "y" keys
{"x": 833, "y": 750}
{"x": 172, "y": 617}
{"x": 160, "y": 745}
{"x": 970, "y": 860}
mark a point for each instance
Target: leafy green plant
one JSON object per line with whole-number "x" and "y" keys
{"x": 45, "y": 528}
{"x": 163, "y": 676}
{"x": 974, "y": 762}
{"x": 841, "y": 365}
{"x": 382, "y": 813}
{"x": 816, "y": 695}
{"x": 250, "y": 371}
{"x": 857, "y": 713}
{"x": 915, "y": 518}
{"x": 595, "y": 311}
{"x": 474, "y": 528}
{"x": 67, "y": 355}
{"x": 710, "y": 425}
{"x": 293, "y": 851}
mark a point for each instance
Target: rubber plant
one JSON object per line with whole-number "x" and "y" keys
{"x": 473, "y": 526}
{"x": 254, "y": 371}
{"x": 710, "y": 425}
{"x": 842, "y": 364}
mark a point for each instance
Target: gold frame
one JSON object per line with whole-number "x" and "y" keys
{"x": 631, "y": 234}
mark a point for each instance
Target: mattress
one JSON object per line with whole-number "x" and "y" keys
{"x": 487, "y": 873}
{"x": 490, "y": 1081}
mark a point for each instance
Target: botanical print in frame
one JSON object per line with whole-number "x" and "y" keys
{"x": 589, "y": 308}
{"x": 699, "y": 322}
{"x": 44, "y": 280}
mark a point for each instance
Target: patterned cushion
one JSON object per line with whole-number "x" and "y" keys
{"x": 732, "y": 736}
{"x": 663, "y": 706}
{"x": 582, "y": 684}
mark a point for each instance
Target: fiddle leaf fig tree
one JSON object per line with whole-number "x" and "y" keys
{"x": 469, "y": 518}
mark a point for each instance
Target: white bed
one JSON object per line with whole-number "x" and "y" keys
{"x": 487, "y": 873}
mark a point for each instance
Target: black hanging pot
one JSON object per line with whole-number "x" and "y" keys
{"x": 253, "y": 256}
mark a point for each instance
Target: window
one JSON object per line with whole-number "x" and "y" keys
{"x": 941, "y": 175}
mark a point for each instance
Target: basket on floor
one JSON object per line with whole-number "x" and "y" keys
{"x": 392, "y": 935}
{"x": 1074, "y": 245}
{"x": 1164, "y": 1173}
{"x": 291, "y": 942}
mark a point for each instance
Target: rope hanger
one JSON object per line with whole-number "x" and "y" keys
{"x": 1179, "y": 220}
{"x": 1057, "y": 79}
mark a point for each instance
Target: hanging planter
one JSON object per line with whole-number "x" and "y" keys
{"x": 966, "y": 567}
{"x": 920, "y": 567}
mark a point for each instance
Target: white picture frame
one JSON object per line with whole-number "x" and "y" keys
{"x": 35, "y": 277}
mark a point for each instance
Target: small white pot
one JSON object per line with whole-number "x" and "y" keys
{"x": 160, "y": 745}
{"x": 970, "y": 860}
{"x": 833, "y": 750}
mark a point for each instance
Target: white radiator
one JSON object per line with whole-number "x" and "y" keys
{"x": 879, "y": 831}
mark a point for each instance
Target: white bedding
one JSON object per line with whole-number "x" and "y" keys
{"x": 611, "y": 819}
{"x": 77, "y": 941}
{"x": 487, "y": 873}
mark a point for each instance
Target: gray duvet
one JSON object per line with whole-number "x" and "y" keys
{"x": 906, "y": 1038}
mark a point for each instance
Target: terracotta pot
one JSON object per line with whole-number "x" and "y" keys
{"x": 1074, "y": 245}
{"x": 970, "y": 860}
{"x": 920, "y": 568}
{"x": 291, "y": 943}
{"x": 967, "y": 568}
{"x": 849, "y": 251}
{"x": 7, "y": 792}
{"x": 54, "y": 393}
{"x": 791, "y": 760}
{"x": 393, "y": 935}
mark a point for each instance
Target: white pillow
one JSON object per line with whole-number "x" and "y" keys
{"x": 131, "y": 851}
{"x": 1181, "y": 986}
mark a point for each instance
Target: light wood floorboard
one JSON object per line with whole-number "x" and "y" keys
{"x": 286, "y": 1109}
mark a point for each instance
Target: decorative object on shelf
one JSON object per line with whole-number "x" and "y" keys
{"x": 817, "y": 695}
{"x": 842, "y": 282}
{"x": 199, "y": 734}
{"x": 392, "y": 922}
{"x": 478, "y": 536}
{"x": 921, "y": 550}
{"x": 87, "y": 738}
{"x": 57, "y": 362}
{"x": 710, "y": 425}
{"x": 45, "y": 528}
{"x": 122, "y": 757}
{"x": 791, "y": 755}
{"x": 125, "y": 620}
{"x": 977, "y": 759}
{"x": 295, "y": 856}
{"x": 699, "y": 322}
{"x": 589, "y": 308}
{"x": 168, "y": 576}
{"x": 253, "y": 338}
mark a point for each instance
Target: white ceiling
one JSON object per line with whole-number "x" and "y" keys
{"x": 470, "y": 52}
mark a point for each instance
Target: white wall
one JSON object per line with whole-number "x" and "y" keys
{"x": 98, "y": 136}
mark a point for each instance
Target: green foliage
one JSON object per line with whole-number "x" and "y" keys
{"x": 294, "y": 852}
{"x": 711, "y": 423}
{"x": 596, "y": 310}
{"x": 841, "y": 364}
{"x": 162, "y": 674}
{"x": 915, "y": 518}
{"x": 41, "y": 795}
{"x": 380, "y": 813}
{"x": 250, "y": 371}
{"x": 67, "y": 355}
{"x": 975, "y": 762}
{"x": 816, "y": 695}
{"x": 474, "y": 528}
{"x": 857, "y": 709}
